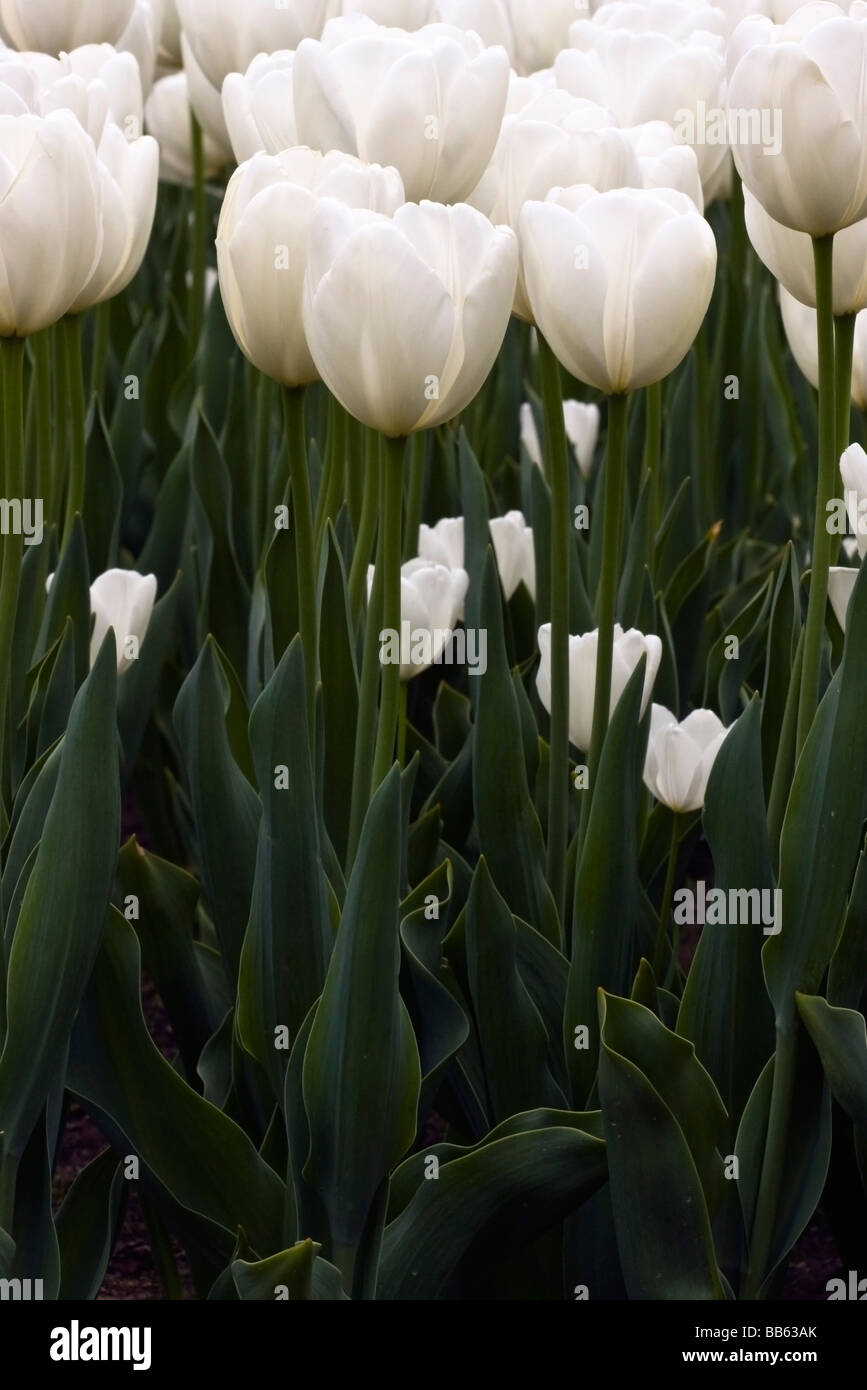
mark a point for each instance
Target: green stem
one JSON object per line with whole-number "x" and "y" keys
{"x": 557, "y": 471}
{"x": 653, "y": 458}
{"x": 825, "y": 491}
{"x": 666, "y": 900}
{"x": 367, "y": 525}
{"x": 70, "y": 329}
{"x": 773, "y": 1161}
{"x": 370, "y": 665}
{"x": 101, "y": 342}
{"x": 261, "y": 531}
{"x": 415, "y": 493}
{"x": 782, "y": 780}
{"x": 401, "y": 724}
{"x": 42, "y": 380}
{"x": 331, "y": 491}
{"x": 12, "y": 368}
{"x": 391, "y": 548}
{"x": 844, "y": 341}
{"x": 606, "y": 608}
{"x": 196, "y": 313}
{"x": 296, "y": 441}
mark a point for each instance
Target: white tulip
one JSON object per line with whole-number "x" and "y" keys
{"x": 676, "y": 18}
{"x": 665, "y": 162}
{"x": 205, "y": 100}
{"x": 618, "y": 282}
{"x": 789, "y": 257}
{"x": 262, "y": 243}
{"x": 516, "y": 556}
{"x": 259, "y": 106}
{"x": 167, "y": 118}
{"x": 95, "y": 82}
{"x": 582, "y": 431}
{"x": 629, "y": 647}
{"x": 129, "y": 172}
{"x": 555, "y": 141}
{"x": 808, "y": 71}
{"x": 431, "y": 601}
{"x": 122, "y": 600}
{"x": 226, "y": 35}
{"x": 50, "y": 219}
{"x": 841, "y": 582}
{"x": 853, "y": 471}
{"x": 652, "y": 77}
{"x": 61, "y": 25}
{"x": 443, "y": 544}
{"x": 680, "y": 756}
{"x": 170, "y": 36}
{"x": 430, "y": 103}
{"x": 799, "y": 322}
{"x": 405, "y": 316}
{"x": 141, "y": 39}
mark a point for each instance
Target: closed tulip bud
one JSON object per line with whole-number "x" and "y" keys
{"x": 807, "y": 71}
{"x": 443, "y": 544}
{"x": 50, "y": 172}
{"x": 262, "y": 244}
{"x": 122, "y": 600}
{"x": 680, "y": 756}
{"x": 789, "y": 257}
{"x": 629, "y": 647}
{"x": 555, "y": 141}
{"x": 799, "y": 322}
{"x": 405, "y": 316}
{"x": 618, "y": 282}
{"x": 167, "y": 118}
{"x": 665, "y": 162}
{"x": 57, "y": 26}
{"x": 853, "y": 471}
{"x": 259, "y": 106}
{"x": 652, "y": 77}
{"x": 841, "y": 582}
{"x": 513, "y": 548}
{"x": 226, "y": 35}
{"x": 141, "y": 39}
{"x": 431, "y": 602}
{"x": 129, "y": 173}
{"x": 582, "y": 431}
{"x": 430, "y": 103}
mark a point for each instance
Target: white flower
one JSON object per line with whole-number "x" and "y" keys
{"x": 680, "y": 756}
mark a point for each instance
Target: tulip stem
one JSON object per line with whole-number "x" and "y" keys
{"x": 561, "y": 524}
{"x": 665, "y": 902}
{"x": 653, "y": 457}
{"x": 296, "y": 442}
{"x": 606, "y": 604}
{"x": 200, "y": 214}
{"x": 844, "y": 343}
{"x": 774, "y": 1157}
{"x": 12, "y": 369}
{"x": 367, "y": 524}
{"x": 70, "y": 329}
{"x": 823, "y": 541}
{"x": 259, "y": 486}
{"x": 365, "y": 726}
{"x": 415, "y": 493}
{"x": 42, "y": 376}
{"x": 101, "y": 344}
{"x": 391, "y": 549}
{"x": 331, "y": 491}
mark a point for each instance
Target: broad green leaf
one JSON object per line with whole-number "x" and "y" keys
{"x": 87, "y": 1225}
{"x": 297, "y": 1273}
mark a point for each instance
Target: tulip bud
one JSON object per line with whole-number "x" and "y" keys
{"x": 122, "y": 600}
{"x": 629, "y": 647}
{"x": 680, "y": 756}
{"x": 431, "y": 601}
{"x": 262, "y": 247}
{"x": 259, "y": 106}
{"x": 789, "y": 257}
{"x": 516, "y": 557}
{"x": 443, "y": 544}
{"x": 58, "y": 26}
{"x": 205, "y": 100}
{"x": 48, "y": 254}
{"x": 140, "y": 39}
{"x": 430, "y": 103}
{"x": 129, "y": 172}
{"x": 225, "y": 35}
{"x": 405, "y": 316}
{"x": 582, "y": 431}
{"x": 167, "y": 118}
{"x": 618, "y": 282}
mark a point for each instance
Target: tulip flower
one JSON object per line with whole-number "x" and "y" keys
{"x": 680, "y": 756}
{"x": 431, "y": 603}
{"x": 169, "y": 54}
{"x": 582, "y": 430}
{"x": 807, "y": 72}
{"x": 618, "y": 282}
{"x": 629, "y": 647}
{"x": 427, "y": 294}
{"x": 262, "y": 243}
{"x": 205, "y": 100}
{"x": 789, "y": 257}
{"x": 167, "y": 118}
{"x": 514, "y": 551}
{"x": 129, "y": 173}
{"x": 841, "y": 582}
{"x": 539, "y": 32}
{"x": 48, "y": 256}
{"x": 799, "y": 322}
{"x": 556, "y": 140}
{"x": 58, "y": 26}
{"x": 141, "y": 39}
{"x": 225, "y": 36}
{"x": 430, "y": 102}
{"x": 443, "y": 544}
{"x": 259, "y": 106}
{"x": 122, "y": 600}
{"x": 653, "y": 77}
{"x": 665, "y": 162}
{"x": 676, "y": 18}
{"x": 96, "y": 83}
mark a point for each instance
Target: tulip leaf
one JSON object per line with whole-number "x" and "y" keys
{"x": 115, "y": 1066}
{"x": 361, "y": 1057}
{"x": 87, "y": 1224}
{"x": 840, "y": 1036}
{"x": 510, "y": 835}
{"x": 297, "y": 1273}
{"x": 339, "y": 697}
{"x": 493, "y": 1201}
{"x": 63, "y": 910}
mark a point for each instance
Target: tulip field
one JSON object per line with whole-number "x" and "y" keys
{"x": 433, "y": 701}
